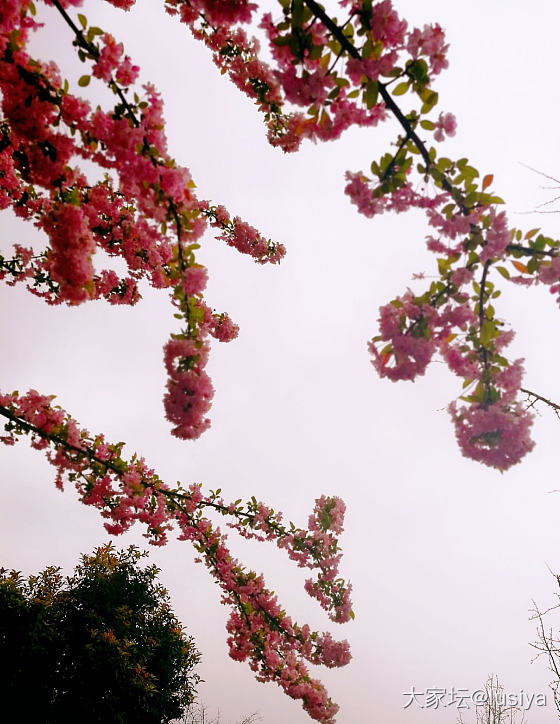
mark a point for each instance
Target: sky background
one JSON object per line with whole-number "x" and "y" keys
{"x": 445, "y": 555}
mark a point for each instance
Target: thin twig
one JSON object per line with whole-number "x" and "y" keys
{"x": 555, "y": 406}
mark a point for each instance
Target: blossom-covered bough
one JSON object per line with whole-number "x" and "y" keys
{"x": 325, "y": 75}
{"x": 126, "y": 491}
{"x": 143, "y": 209}
{"x": 352, "y": 72}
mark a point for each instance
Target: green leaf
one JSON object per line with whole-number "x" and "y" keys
{"x": 428, "y": 126}
{"x": 83, "y": 20}
{"x": 405, "y": 164}
{"x": 418, "y": 71}
{"x": 503, "y": 271}
{"x": 297, "y": 13}
{"x": 84, "y": 80}
{"x": 430, "y": 99}
{"x": 540, "y": 242}
{"x": 393, "y": 73}
{"x": 487, "y": 333}
{"x": 335, "y": 46}
{"x": 316, "y": 52}
{"x": 367, "y": 49}
{"x": 401, "y": 88}
{"x": 371, "y": 92}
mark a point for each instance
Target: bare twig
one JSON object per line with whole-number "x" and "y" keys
{"x": 533, "y": 398}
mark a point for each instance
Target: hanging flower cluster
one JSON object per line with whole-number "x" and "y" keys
{"x": 352, "y": 72}
{"x": 323, "y": 76}
{"x": 150, "y": 217}
{"x": 144, "y": 211}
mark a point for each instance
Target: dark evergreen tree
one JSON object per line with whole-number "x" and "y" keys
{"x": 100, "y": 646}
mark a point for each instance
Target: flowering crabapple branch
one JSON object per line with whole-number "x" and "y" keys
{"x": 43, "y": 128}
{"x": 94, "y": 53}
{"x": 128, "y": 491}
{"x": 128, "y": 221}
{"x": 351, "y": 74}
{"x": 307, "y": 550}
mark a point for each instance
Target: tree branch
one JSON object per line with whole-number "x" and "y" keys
{"x": 92, "y": 50}
{"x": 345, "y": 43}
{"x": 540, "y": 398}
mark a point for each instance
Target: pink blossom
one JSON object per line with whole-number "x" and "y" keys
{"x": 462, "y": 362}
{"x": 333, "y": 653}
{"x": 462, "y": 276}
{"x": 410, "y": 348}
{"x": 497, "y": 236}
{"x": 496, "y": 435}
{"x": 305, "y": 90}
{"x": 189, "y": 389}
{"x": 223, "y": 328}
{"x": 126, "y": 73}
{"x": 431, "y": 42}
{"x": 122, "y": 4}
{"x": 446, "y": 125}
{"x": 194, "y": 279}
{"x": 360, "y": 194}
{"x": 386, "y": 24}
{"x": 370, "y": 68}
{"x": 109, "y": 58}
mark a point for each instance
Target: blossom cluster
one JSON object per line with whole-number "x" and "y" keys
{"x": 354, "y": 72}
{"x": 143, "y": 209}
{"x": 126, "y": 492}
{"x": 242, "y": 236}
{"x": 310, "y": 69}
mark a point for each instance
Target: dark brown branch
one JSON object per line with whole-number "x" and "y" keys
{"x": 481, "y": 311}
{"x": 172, "y": 208}
{"x": 392, "y": 164}
{"x": 531, "y": 252}
{"x": 57, "y": 440}
{"x": 540, "y": 398}
{"x": 119, "y": 471}
{"x": 168, "y": 493}
{"x": 345, "y": 43}
{"x": 92, "y": 50}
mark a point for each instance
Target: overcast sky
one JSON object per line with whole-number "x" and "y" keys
{"x": 445, "y": 555}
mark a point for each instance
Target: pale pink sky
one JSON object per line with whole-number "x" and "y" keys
{"x": 444, "y": 555}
